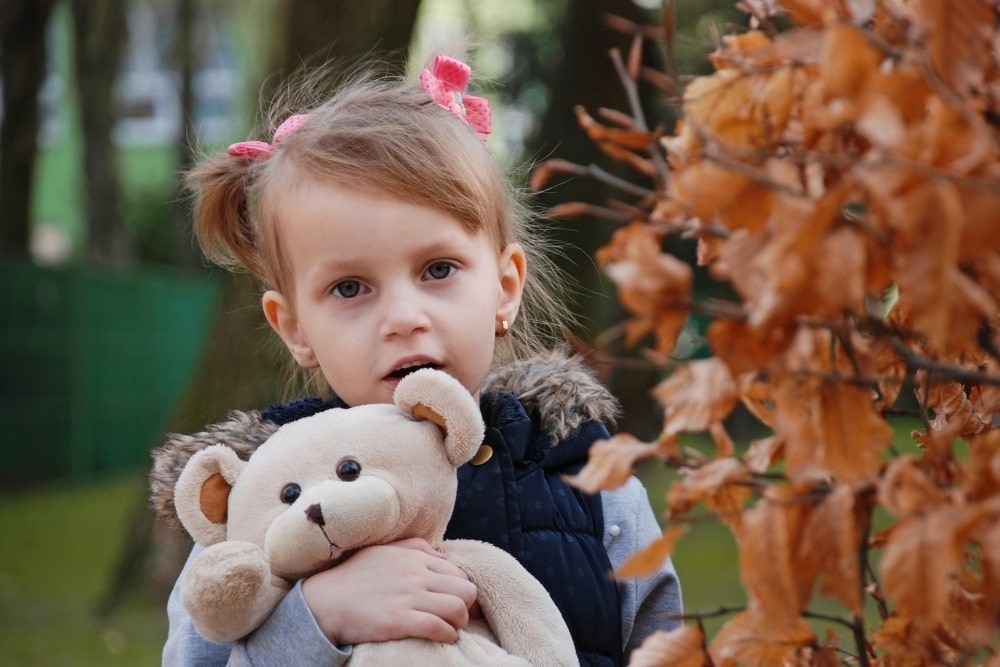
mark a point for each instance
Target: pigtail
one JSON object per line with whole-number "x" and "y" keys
{"x": 226, "y": 233}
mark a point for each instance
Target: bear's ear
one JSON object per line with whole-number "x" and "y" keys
{"x": 437, "y": 397}
{"x": 202, "y": 492}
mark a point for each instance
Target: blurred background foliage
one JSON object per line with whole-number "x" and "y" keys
{"x": 115, "y": 330}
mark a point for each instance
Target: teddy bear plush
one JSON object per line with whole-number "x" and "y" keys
{"x": 321, "y": 487}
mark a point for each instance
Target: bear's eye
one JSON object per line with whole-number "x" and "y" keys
{"x": 348, "y": 470}
{"x": 290, "y": 493}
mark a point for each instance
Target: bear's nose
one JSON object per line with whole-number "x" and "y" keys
{"x": 315, "y": 514}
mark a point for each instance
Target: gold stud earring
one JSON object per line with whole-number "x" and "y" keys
{"x": 502, "y": 329}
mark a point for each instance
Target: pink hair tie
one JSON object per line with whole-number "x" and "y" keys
{"x": 260, "y": 150}
{"x": 446, "y": 86}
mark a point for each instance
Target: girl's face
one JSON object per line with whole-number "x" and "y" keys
{"x": 382, "y": 287}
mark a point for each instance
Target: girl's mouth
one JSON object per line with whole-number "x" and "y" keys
{"x": 409, "y": 367}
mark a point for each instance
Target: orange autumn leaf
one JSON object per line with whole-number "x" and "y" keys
{"x": 796, "y": 419}
{"x": 754, "y": 639}
{"x": 697, "y": 395}
{"x": 720, "y": 484}
{"x": 953, "y": 409}
{"x": 829, "y": 428}
{"x": 972, "y": 600}
{"x": 983, "y": 470}
{"x": 650, "y": 559}
{"x": 744, "y": 348}
{"x": 832, "y": 540}
{"x": 623, "y": 137}
{"x": 854, "y": 435}
{"x": 763, "y": 453}
{"x": 903, "y": 642}
{"x": 738, "y": 109}
{"x": 752, "y": 45}
{"x": 976, "y": 595}
{"x": 680, "y": 647}
{"x": 769, "y": 539}
{"x": 706, "y": 191}
{"x": 889, "y": 370}
{"x": 906, "y": 489}
{"x": 922, "y": 549}
{"x": 849, "y": 59}
{"x": 611, "y": 462}
{"x": 757, "y": 397}
{"x": 927, "y": 221}
{"x": 957, "y": 38}
{"x": 653, "y": 286}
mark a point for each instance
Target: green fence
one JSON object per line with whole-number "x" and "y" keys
{"x": 91, "y": 363}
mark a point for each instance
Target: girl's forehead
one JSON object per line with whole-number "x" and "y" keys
{"x": 324, "y": 214}
{"x": 360, "y": 197}
{"x": 361, "y": 201}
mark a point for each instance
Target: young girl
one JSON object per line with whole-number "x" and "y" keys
{"x": 388, "y": 240}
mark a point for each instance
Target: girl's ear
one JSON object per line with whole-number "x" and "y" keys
{"x": 513, "y": 269}
{"x": 279, "y": 315}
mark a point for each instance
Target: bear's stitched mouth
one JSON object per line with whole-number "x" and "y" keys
{"x": 338, "y": 553}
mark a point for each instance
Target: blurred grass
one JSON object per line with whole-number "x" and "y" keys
{"x": 705, "y": 558}
{"x": 57, "y": 556}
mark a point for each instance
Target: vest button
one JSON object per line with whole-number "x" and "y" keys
{"x": 615, "y": 530}
{"x": 484, "y": 454}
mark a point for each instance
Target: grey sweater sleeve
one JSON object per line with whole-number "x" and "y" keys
{"x": 630, "y": 525}
{"x": 289, "y": 636}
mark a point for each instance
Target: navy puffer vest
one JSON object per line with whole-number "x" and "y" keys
{"x": 518, "y": 500}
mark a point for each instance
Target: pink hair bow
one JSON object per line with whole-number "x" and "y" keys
{"x": 259, "y": 150}
{"x": 446, "y": 86}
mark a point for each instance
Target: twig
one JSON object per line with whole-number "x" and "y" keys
{"x": 606, "y": 177}
{"x": 883, "y": 608}
{"x": 721, "y": 611}
{"x": 578, "y": 209}
{"x": 917, "y": 362}
{"x": 632, "y": 94}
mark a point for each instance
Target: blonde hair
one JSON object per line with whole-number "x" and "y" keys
{"x": 384, "y": 135}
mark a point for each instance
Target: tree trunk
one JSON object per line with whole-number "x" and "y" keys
{"x": 100, "y": 31}
{"x": 22, "y": 70}
{"x": 186, "y": 55}
{"x": 348, "y": 30}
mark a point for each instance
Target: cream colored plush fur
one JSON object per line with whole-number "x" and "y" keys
{"x": 407, "y": 453}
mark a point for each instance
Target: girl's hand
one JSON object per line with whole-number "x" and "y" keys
{"x": 402, "y": 589}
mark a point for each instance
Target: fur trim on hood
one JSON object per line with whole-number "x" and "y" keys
{"x": 557, "y": 387}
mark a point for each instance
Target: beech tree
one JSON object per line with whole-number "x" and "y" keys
{"x": 839, "y": 170}
{"x": 22, "y": 72}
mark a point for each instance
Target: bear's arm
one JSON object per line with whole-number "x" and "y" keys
{"x": 520, "y": 612}
{"x": 288, "y": 635}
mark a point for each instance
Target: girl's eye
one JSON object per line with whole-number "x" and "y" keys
{"x": 347, "y": 289}
{"x": 440, "y": 270}
{"x": 290, "y": 493}
{"x": 348, "y": 470}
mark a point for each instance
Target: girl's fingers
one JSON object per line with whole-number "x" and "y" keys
{"x": 440, "y": 617}
{"x": 418, "y": 544}
{"x": 456, "y": 585}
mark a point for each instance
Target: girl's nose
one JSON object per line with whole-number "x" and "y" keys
{"x": 403, "y": 313}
